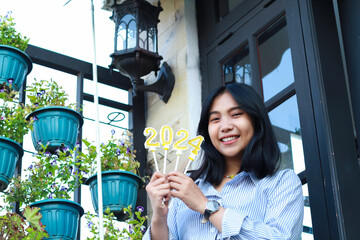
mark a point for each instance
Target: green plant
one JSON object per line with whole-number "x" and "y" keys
{"x": 116, "y": 154}
{"x": 135, "y": 226}
{"x": 8, "y": 34}
{"x": 12, "y": 225}
{"x": 13, "y": 124}
{"x": 51, "y": 176}
{"x": 46, "y": 93}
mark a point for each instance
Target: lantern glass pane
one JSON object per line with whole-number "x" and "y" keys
{"x": 152, "y": 38}
{"x": 121, "y": 37}
{"x": 143, "y": 43}
{"x": 131, "y": 39}
{"x": 126, "y": 35}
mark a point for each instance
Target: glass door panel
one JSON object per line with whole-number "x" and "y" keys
{"x": 276, "y": 67}
{"x": 307, "y": 233}
{"x": 286, "y": 123}
{"x": 237, "y": 68}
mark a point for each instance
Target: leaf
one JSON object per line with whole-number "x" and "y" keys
{"x": 33, "y": 216}
{"x": 87, "y": 143}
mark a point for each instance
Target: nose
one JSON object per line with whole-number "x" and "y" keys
{"x": 226, "y": 125}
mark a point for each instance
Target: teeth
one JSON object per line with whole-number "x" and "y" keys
{"x": 228, "y": 139}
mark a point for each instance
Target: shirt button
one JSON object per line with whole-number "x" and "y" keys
{"x": 212, "y": 230}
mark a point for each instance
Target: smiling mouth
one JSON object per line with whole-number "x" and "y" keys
{"x": 227, "y": 139}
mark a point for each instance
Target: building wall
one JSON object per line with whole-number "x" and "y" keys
{"x": 178, "y": 45}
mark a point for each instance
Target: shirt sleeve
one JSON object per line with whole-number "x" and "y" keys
{"x": 147, "y": 235}
{"x": 284, "y": 215}
{"x": 171, "y": 221}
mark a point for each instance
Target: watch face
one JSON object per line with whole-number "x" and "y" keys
{"x": 213, "y": 205}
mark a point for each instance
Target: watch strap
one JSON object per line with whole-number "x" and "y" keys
{"x": 208, "y": 212}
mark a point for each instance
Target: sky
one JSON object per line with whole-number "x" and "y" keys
{"x": 64, "y": 29}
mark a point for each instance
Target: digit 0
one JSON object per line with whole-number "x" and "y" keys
{"x": 166, "y": 135}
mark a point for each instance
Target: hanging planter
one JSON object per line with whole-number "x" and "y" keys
{"x": 61, "y": 217}
{"x": 10, "y": 153}
{"x": 119, "y": 190}
{"x": 15, "y": 65}
{"x": 56, "y": 126}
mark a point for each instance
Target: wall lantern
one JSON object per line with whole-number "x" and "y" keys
{"x": 136, "y": 45}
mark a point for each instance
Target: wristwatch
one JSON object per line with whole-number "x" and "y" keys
{"x": 211, "y": 207}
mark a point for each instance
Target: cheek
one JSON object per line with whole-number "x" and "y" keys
{"x": 212, "y": 133}
{"x": 250, "y": 132}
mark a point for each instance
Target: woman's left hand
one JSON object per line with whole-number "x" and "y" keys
{"x": 187, "y": 191}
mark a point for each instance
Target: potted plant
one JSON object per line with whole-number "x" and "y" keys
{"x": 134, "y": 230}
{"x": 55, "y": 122}
{"x": 13, "y": 126}
{"x": 48, "y": 184}
{"x": 120, "y": 174}
{"x": 16, "y": 64}
{"x": 13, "y": 226}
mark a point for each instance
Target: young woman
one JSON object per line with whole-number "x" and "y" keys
{"x": 238, "y": 191}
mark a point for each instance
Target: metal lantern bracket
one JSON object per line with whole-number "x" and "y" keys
{"x": 164, "y": 84}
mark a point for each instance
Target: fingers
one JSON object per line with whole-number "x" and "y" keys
{"x": 156, "y": 176}
{"x": 167, "y": 199}
{"x": 178, "y": 174}
{"x": 177, "y": 179}
{"x": 158, "y": 186}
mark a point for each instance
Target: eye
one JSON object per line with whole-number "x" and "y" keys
{"x": 214, "y": 119}
{"x": 237, "y": 114}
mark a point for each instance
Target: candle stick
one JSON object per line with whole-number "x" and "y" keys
{"x": 154, "y": 155}
{"x": 177, "y": 159}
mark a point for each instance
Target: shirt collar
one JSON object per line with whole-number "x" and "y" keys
{"x": 252, "y": 176}
{"x": 209, "y": 190}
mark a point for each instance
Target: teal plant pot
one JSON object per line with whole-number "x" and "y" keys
{"x": 10, "y": 153}
{"x": 61, "y": 217}
{"x": 55, "y": 125}
{"x": 15, "y": 65}
{"x": 119, "y": 190}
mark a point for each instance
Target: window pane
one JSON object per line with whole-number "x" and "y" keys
{"x": 110, "y": 118}
{"x": 275, "y": 59}
{"x": 307, "y": 229}
{"x": 227, "y": 6}
{"x": 106, "y": 91}
{"x": 237, "y": 68}
{"x": 286, "y": 123}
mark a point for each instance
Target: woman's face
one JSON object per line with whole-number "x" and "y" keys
{"x": 230, "y": 128}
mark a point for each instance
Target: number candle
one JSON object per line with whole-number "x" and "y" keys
{"x": 166, "y": 138}
{"x": 151, "y": 132}
{"x": 194, "y": 152}
{"x": 177, "y": 146}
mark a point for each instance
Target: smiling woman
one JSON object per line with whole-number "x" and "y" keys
{"x": 238, "y": 190}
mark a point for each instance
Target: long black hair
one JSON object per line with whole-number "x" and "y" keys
{"x": 262, "y": 154}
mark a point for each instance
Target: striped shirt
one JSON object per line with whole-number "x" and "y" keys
{"x": 270, "y": 208}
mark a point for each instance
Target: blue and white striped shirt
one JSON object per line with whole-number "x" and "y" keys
{"x": 270, "y": 208}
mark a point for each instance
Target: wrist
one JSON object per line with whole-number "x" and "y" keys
{"x": 158, "y": 220}
{"x": 211, "y": 207}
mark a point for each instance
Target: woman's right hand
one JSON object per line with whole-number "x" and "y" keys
{"x": 158, "y": 191}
